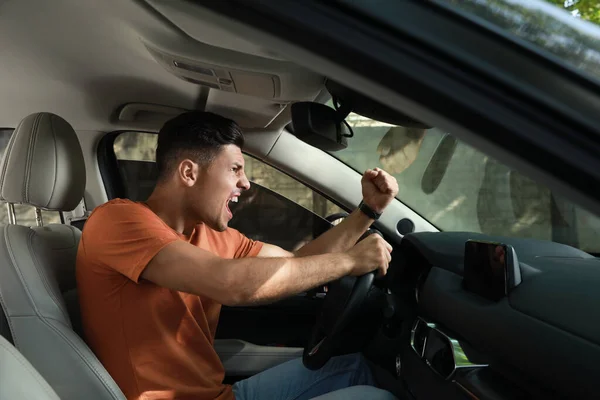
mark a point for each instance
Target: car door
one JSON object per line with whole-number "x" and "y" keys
{"x": 510, "y": 78}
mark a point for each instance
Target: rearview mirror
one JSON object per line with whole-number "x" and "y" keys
{"x": 320, "y": 126}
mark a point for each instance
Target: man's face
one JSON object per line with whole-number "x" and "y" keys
{"x": 220, "y": 182}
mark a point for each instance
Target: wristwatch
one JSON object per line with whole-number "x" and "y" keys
{"x": 368, "y": 211}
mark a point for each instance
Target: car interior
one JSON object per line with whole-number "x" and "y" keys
{"x": 492, "y": 289}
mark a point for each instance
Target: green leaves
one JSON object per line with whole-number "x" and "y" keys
{"x": 585, "y": 9}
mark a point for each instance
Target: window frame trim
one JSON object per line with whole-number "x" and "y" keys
{"x": 113, "y": 184}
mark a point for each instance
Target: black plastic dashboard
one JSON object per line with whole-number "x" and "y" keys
{"x": 544, "y": 337}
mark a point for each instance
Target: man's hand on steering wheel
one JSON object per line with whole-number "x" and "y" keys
{"x": 371, "y": 253}
{"x": 370, "y": 256}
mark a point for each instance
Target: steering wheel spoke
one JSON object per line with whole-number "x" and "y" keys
{"x": 344, "y": 298}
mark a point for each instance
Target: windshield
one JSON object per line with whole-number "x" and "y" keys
{"x": 566, "y": 29}
{"x": 457, "y": 188}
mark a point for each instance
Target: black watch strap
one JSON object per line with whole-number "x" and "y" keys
{"x": 368, "y": 211}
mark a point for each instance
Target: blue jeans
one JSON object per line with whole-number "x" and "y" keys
{"x": 344, "y": 377}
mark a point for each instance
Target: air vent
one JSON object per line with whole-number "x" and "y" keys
{"x": 418, "y": 336}
{"x": 443, "y": 354}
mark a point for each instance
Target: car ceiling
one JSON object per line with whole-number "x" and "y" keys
{"x": 84, "y": 59}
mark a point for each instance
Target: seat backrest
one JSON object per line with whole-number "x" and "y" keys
{"x": 18, "y": 379}
{"x": 43, "y": 167}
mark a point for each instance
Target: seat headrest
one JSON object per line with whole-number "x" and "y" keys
{"x": 43, "y": 164}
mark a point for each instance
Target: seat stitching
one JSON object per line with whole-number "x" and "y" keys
{"x": 4, "y": 308}
{"x": 34, "y": 374}
{"x": 18, "y": 270}
{"x": 83, "y": 358}
{"x": 43, "y": 319}
{"x": 55, "y": 162}
{"x": 42, "y": 275}
{"x": 8, "y": 317}
{"x": 29, "y": 160}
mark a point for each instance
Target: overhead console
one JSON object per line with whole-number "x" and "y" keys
{"x": 209, "y": 54}
{"x": 215, "y": 76}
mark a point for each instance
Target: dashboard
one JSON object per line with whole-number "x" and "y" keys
{"x": 540, "y": 340}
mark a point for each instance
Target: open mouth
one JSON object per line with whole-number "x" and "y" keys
{"x": 233, "y": 199}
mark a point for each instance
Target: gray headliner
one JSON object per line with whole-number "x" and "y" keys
{"x": 84, "y": 59}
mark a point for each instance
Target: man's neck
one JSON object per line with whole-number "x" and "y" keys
{"x": 170, "y": 207}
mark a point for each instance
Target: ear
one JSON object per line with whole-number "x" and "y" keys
{"x": 187, "y": 172}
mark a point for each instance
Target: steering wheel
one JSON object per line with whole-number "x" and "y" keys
{"x": 334, "y": 217}
{"x": 344, "y": 298}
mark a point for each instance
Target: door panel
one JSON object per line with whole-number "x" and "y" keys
{"x": 262, "y": 214}
{"x": 241, "y": 358}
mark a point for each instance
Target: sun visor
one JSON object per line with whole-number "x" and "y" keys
{"x": 351, "y": 100}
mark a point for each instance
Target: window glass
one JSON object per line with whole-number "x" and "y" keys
{"x": 568, "y": 29}
{"x": 458, "y": 188}
{"x": 265, "y": 215}
{"x": 25, "y": 214}
{"x": 135, "y": 152}
{"x": 269, "y": 177}
{"x": 137, "y": 146}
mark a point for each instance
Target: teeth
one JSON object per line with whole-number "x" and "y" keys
{"x": 234, "y": 199}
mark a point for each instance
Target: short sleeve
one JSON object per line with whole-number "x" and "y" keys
{"x": 245, "y": 247}
{"x": 125, "y": 237}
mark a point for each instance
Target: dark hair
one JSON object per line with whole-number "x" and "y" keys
{"x": 198, "y": 135}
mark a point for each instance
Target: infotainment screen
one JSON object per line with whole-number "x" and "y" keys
{"x": 490, "y": 269}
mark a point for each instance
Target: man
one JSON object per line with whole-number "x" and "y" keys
{"x": 152, "y": 276}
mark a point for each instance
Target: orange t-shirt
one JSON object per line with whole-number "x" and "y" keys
{"x": 155, "y": 342}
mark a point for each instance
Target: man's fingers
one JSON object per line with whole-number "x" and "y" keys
{"x": 385, "y": 243}
{"x": 386, "y": 184}
{"x": 388, "y": 247}
{"x": 383, "y": 180}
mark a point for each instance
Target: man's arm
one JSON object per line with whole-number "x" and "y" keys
{"x": 378, "y": 189}
{"x": 187, "y": 268}
{"x": 339, "y": 238}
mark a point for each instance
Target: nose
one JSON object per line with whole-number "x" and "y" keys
{"x": 243, "y": 183}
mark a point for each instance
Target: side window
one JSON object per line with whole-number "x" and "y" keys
{"x": 25, "y": 214}
{"x": 277, "y": 208}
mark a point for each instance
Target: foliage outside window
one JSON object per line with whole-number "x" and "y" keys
{"x": 566, "y": 29}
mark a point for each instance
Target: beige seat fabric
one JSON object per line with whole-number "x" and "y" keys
{"x": 18, "y": 379}
{"x": 43, "y": 167}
